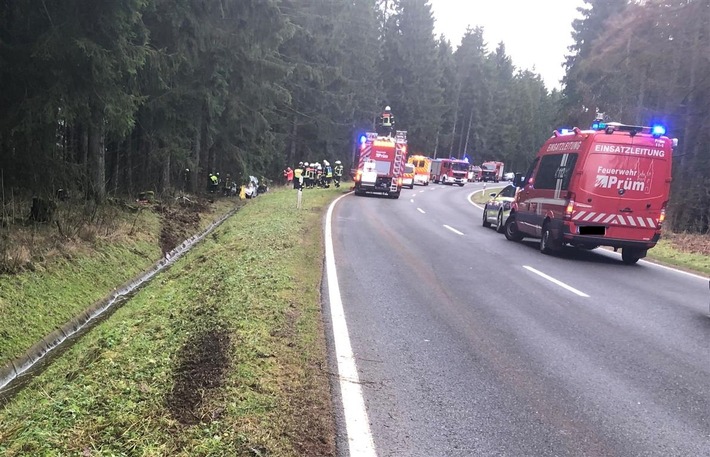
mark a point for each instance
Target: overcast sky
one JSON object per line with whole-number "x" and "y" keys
{"x": 535, "y": 32}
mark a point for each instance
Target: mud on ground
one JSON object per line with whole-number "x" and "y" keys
{"x": 179, "y": 222}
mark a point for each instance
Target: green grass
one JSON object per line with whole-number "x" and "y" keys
{"x": 668, "y": 253}
{"x": 483, "y": 196}
{"x": 256, "y": 283}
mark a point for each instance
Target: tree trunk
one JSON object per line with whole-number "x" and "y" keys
{"x": 468, "y": 133}
{"x": 292, "y": 149}
{"x": 97, "y": 162}
{"x": 196, "y": 144}
{"x": 165, "y": 181}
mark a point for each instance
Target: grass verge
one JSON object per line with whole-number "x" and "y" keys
{"x": 220, "y": 355}
{"x": 481, "y": 197}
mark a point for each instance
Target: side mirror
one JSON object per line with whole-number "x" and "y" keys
{"x": 519, "y": 180}
{"x": 493, "y": 194}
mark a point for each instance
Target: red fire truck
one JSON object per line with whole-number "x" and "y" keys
{"x": 449, "y": 171}
{"x": 492, "y": 171}
{"x": 379, "y": 164}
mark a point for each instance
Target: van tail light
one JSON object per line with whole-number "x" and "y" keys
{"x": 399, "y": 181}
{"x": 569, "y": 209}
{"x": 662, "y": 216}
{"x": 358, "y": 175}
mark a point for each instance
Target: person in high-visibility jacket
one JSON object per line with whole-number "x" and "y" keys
{"x": 337, "y": 173}
{"x": 308, "y": 180}
{"x": 298, "y": 177}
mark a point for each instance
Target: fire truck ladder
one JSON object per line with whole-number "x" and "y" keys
{"x": 400, "y": 143}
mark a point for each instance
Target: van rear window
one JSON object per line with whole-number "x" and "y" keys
{"x": 554, "y": 169}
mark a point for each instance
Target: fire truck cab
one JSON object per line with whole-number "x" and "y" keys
{"x": 607, "y": 186}
{"x": 449, "y": 171}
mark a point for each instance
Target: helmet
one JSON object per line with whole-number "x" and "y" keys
{"x": 305, "y": 164}
{"x": 337, "y": 162}
{"x": 387, "y": 108}
{"x": 318, "y": 165}
{"x": 326, "y": 163}
{"x": 300, "y": 164}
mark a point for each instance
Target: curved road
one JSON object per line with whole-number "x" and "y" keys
{"x": 467, "y": 344}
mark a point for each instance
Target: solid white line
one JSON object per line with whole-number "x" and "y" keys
{"x": 553, "y": 280}
{"x": 357, "y": 424}
{"x": 453, "y": 230}
{"x": 421, "y": 210}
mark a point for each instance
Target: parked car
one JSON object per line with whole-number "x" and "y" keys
{"x": 509, "y": 176}
{"x": 497, "y": 209}
{"x": 408, "y": 176}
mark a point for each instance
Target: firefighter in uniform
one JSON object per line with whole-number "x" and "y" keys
{"x": 337, "y": 173}
{"x": 309, "y": 178}
{"x": 298, "y": 177}
{"x": 386, "y": 122}
{"x": 328, "y": 173}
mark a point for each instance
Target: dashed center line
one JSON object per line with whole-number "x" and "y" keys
{"x": 421, "y": 210}
{"x": 411, "y": 200}
{"x": 555, "y": 281}
{"x": 453, "y": 230}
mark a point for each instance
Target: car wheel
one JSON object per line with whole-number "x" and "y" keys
{"x": 499, "y": 222}
{"x": 485, "y": 218}
{"x": 546, "y": 240}
{"x": 630, "y": 255}
{"x": 443, "y": 180}
{"x": 511, "y": 229}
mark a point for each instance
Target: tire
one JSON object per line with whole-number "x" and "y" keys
{"x": 443, "y": 179}
{"x": 546, "y": 240}
{"x": 499, "y": 221}
{"x": 485, "y": 218}
{"x": 461, "y": 184}
{"x": 630, "y": 255}
{"x": 511, "y": 230}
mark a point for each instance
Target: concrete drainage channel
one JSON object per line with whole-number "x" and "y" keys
{"x": 17, "y": 372}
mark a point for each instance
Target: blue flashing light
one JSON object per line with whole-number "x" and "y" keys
{"x": 658, "y": 130}
{"x": 565, "y": 131}
{"x": 363, "y": 139}
{"x": 598, "y": 125}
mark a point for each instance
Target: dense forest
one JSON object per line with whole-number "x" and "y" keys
{"x": 119, "y": 97}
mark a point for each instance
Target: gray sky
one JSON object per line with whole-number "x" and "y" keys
{"x": 535, "y": 32}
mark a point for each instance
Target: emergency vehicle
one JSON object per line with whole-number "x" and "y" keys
{"x": 449, "y": 171}
{"x": 607, "y": 186}
{"x": 422, "y": 169}
{"x": 492, "y": 171}
{"x": 379, "y": 162}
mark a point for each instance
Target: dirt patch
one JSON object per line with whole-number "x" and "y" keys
{"x": 179, "y": 222}
{"x": 202, "y": 363}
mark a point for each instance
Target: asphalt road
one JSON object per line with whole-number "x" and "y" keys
{"x": 466, "y": 346}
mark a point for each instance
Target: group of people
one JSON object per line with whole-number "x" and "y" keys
{"x": 314, "y": 174}
{"x": 229, "y": 188}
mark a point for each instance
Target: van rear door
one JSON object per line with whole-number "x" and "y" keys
{"x": 626, "y": 182}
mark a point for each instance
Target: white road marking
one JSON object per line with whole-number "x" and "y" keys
{"x": 421, "y": 210}
{"x": 555, "y": 281}
{"x": 453, "y": 230}
{"x": 421, "y": 191}
{"x": 357, "y": 424}
{"x": 411, "y": 200}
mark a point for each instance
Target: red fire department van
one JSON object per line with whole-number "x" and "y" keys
{"x": 379, "y": 163}
{"x": 449, "y": 171}
{"x": 607, "y": 186}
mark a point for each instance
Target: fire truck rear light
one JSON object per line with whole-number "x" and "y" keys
{"x": 358, "y": 175}
{"x": 399, "y": 181}
{"x": 569, "y": 209}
